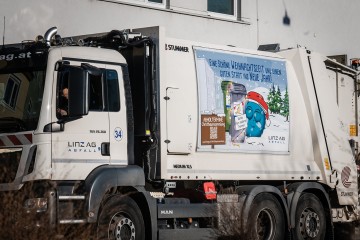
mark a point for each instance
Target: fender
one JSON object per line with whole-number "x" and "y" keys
{"x": 152, "y": 208}
{"x": 296, "y": 190}
{"x": 105, "y": 177}
{"x": 251, "y": 191}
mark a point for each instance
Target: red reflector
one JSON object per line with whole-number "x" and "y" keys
{"x": 209, "y": 190}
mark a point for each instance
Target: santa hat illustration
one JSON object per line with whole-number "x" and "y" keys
{"x": 257, "y": 98}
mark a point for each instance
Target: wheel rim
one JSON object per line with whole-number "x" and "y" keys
{"x": 121, "y": 228}
{"x": 309, "y": 224}
{"x": 265, "y": 224}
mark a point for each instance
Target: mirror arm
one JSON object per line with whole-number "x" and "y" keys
{"x": 68, "y": 119}
{"x": 54, "y": 127}
{"x": 60, "y": 124}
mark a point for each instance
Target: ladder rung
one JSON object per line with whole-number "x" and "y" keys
{"x": 70, "y": 197}
{"x": 72, "y": 221}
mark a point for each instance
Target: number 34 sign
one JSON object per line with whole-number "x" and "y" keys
{"x": 118, "y": 134}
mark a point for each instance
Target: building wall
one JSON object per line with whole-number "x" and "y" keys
{"x": 327, "y": 26}
{"x": 28, "y": 18}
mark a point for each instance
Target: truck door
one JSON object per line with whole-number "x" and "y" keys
{"x": 178, "y": 121}
{"x": 116, "y": 107}
{"x": 83, "y": 143}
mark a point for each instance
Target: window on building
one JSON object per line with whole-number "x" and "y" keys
{"x": 223, "y": 6}
{"x": 156, "y": 3}
{"x": 12, "y": 91}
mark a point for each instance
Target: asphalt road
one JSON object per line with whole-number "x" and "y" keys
{"x": 347, "y": 232}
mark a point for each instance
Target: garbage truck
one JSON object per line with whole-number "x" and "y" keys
{"x": 136, "y": 135}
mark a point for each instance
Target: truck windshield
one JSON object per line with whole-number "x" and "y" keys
{"x": 22, "y": 79}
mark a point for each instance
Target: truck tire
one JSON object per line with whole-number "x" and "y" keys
{"x": 310, "y": 220}
{"x": 266, "y": 219}
{"x": 121, "y": 219}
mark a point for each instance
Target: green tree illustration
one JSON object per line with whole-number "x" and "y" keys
{"x": 278, "y": 100}
{"x": 285, "y": 105}
{"x": 274, "y": 100}
{"x": 270, "y": 99}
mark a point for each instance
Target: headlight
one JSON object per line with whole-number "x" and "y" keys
{"x": 37, "y": 204}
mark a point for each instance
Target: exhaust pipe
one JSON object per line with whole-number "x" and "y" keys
{"x": 49, "y": 34}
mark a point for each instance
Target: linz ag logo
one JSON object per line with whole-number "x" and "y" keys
{"x": 177, "y": 48}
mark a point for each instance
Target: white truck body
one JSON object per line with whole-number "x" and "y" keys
{"x": 280, "y": 122}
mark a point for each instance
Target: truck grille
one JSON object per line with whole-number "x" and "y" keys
{"x": 9, "y": 162}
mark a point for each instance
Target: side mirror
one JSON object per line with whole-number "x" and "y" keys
{"x": 78, "y": 92}
{"x": 76, "y": 80}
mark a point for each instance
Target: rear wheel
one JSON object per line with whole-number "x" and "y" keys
{"x": 266, "y": 219}
{"x": 310, "y": 218}
{"x": 121, "y": 219}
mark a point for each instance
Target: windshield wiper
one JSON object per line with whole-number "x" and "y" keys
{"x": 12, "y": 124}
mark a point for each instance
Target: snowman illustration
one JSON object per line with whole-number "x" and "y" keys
{"x": 257, "y": 112}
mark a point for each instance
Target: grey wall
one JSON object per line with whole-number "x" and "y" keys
{"x": 27, "y": 18}
{"x": 327, "y": 26}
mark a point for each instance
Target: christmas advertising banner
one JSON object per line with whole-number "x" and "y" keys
{"x": 243, "y": 102}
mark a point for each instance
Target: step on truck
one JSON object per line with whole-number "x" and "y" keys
{"x": 134, "y": 135}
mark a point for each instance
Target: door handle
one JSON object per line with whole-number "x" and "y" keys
{"x": 105, "y": 149}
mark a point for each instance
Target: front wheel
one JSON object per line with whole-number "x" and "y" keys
{"x": 310, "y": 218}
{"x": 120, "y": 219}
{"x": 266, "y": 219}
